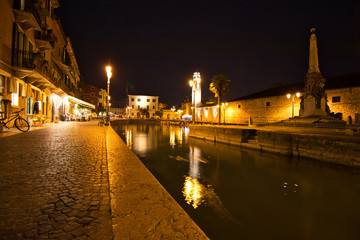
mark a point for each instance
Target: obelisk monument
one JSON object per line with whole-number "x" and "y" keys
{"x": 314, "y": 101}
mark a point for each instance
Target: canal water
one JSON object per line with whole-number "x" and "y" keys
{"x": 234, "y": 193}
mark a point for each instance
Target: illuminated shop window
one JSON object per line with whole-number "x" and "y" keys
{"x": 15, "y": 96}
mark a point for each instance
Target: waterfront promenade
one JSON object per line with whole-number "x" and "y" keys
{"x": 77, "y": 180}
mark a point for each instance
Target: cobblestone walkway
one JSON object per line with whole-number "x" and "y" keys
{"x": 54, "y": 184}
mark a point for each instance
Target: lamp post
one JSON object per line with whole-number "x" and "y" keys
{"x": 293, "y": 100}
{"x": 109, "y": 74}
{"x": 193, "y": 83}
{"x": 224, "y": 105}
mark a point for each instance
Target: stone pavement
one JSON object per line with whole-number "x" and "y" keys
{"x": 55, "y": 184}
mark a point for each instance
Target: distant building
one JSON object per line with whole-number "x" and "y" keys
{"x": 118, "y": 111}
{"x": 102, "y": 100}
{"x": 91, "y": 95}
{"x": 138, "y": 102}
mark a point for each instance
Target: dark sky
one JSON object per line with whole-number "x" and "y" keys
{"x": 156, "y": 45}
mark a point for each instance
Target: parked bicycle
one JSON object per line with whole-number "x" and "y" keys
{"x": 101, "y": 121}
{"x": 20, "y": 123}
{"x": 104, "y": 121}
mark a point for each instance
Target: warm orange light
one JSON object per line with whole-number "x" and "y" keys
{"x": 108, "y": 71}
{"x": 191, "y": 83}
{"x": 288, "y": 95}
{"x": 297, "y": 94}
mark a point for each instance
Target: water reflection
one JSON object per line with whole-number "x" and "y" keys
{"x": 176, "y": 136}
{"x": 221, "y": 186}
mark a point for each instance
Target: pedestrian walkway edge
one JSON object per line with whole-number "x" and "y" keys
{"x": 141, "y": 208}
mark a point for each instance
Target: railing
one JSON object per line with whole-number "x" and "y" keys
{"x": 24, "y": 59}
{"x": 50, "y": 37}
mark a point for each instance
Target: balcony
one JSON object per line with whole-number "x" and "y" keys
{"x": 45, "y": 40}
{"x": 27, "y": 15}
{"x": 28, "y": 64}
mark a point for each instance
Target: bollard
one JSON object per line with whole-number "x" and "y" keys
{"x": 357, "y": 120}
{"x": 349, "y": 120}
{"x": 250, "y": 121}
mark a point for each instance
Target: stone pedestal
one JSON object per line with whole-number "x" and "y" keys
{"x": 310, "y": 108}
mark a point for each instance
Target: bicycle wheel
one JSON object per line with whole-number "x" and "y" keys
{"x": 22, "y": 124}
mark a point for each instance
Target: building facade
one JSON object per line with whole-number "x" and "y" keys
{"x": 38, "y": 69}
{"x": 273, "y": 105}
{"x": 145, "y": 102}
{"x": 91, "y": 95}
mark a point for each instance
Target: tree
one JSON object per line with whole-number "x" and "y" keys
{"x": 219, "y": 86}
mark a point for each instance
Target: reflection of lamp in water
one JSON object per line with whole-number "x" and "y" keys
{"x": 129, "y": 138}
{"x": 193, "y": 192}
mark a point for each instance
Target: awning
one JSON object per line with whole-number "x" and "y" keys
{"x": 81, "y": 102}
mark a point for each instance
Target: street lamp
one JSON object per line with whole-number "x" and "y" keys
{"x": 109, "y": 74}
{"x": 224, "y": 105}
{"x": 293, "y": 100}
{"x": 193, "y": 83}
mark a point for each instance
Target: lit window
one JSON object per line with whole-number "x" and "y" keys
{"x": 336, "y": 99}
{"x": 15, "y": 96}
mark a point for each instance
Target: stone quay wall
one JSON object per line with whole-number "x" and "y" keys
{"x": 333, "y": 148}
{"x": 233, "y": 136}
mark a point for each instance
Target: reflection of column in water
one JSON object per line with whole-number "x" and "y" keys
{"x": 128, "y": 137}
{"x": 194, "y": 156}
{"x": 172, "y": 137}
{"x": 179, "y": 135}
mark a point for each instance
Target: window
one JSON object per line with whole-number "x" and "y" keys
{"x": 93, "y": 88}
{"x": 15, "y": 96}
{"x": 336, "y": 99}
{"x": 153, "y": 107}
{"x": 153, "y": 114}
{"x": 139, "y": 99}
{"x": 132, "y": 99}
{"x": 268, "y": 104}
{"x": 148, "y": 100}
{"x": 100, "y": 96}
{"x": 147, "y": 107}
{"x": 132, "y": 114}
{"x": 154, "y": 100}
{"x": 138, "y": 107}
{"x": 132, "y": 107}
{"x": 92, "y": 94}
{"x": 239, "y": 106}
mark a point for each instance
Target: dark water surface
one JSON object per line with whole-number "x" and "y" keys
{"x": 234, "y": 193}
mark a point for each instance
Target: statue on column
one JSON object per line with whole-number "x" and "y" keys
{"x": 314, "y": 100}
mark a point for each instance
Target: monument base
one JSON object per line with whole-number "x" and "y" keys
{"x": 313, "y": 122}
{"x": 312, "y": 109}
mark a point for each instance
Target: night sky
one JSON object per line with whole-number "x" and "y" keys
{"x": 154, "y": 46}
